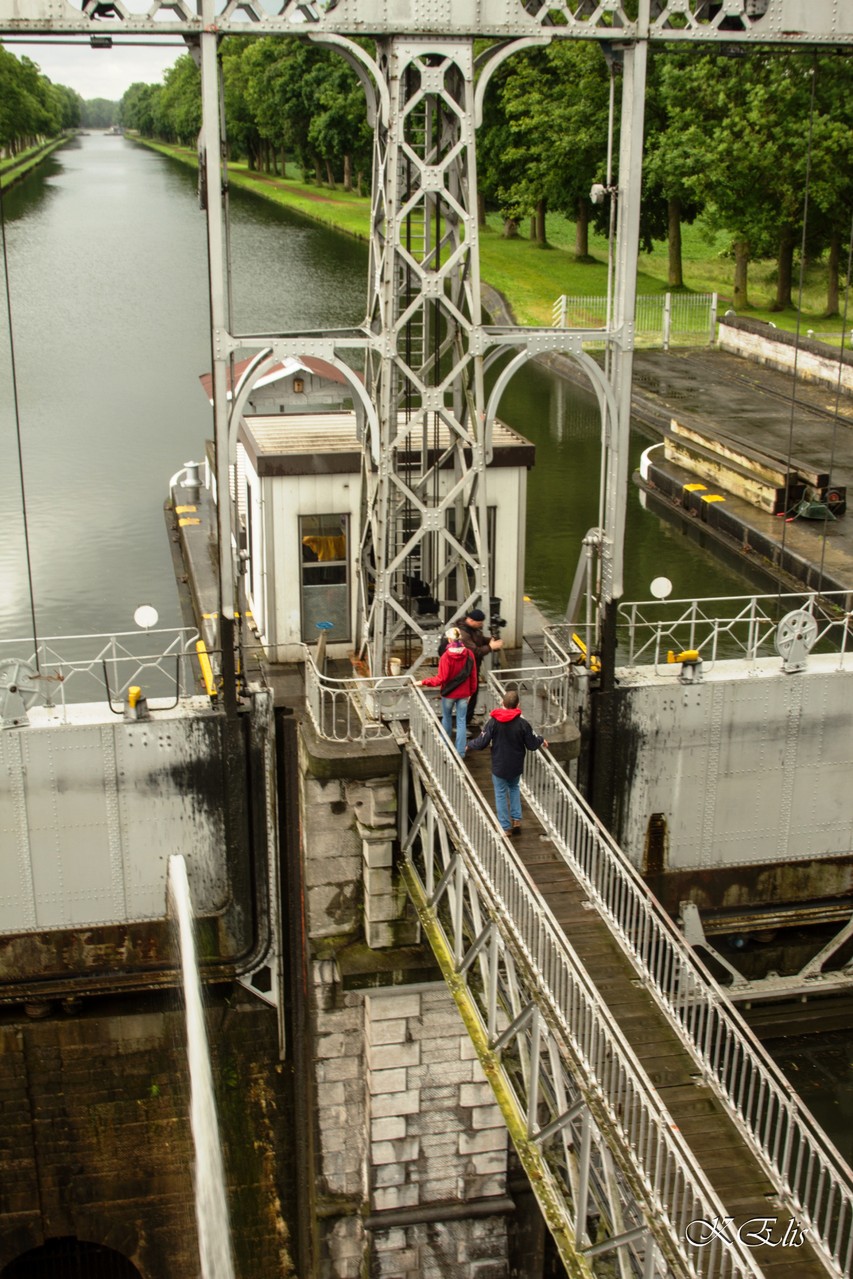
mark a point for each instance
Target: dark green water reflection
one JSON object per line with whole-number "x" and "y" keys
{"x": 562, "y": 502}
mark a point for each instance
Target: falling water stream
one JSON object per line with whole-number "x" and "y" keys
{"x": 211, "y": 1205}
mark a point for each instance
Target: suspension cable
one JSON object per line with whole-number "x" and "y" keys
{"x": 837, "y": 392}
{"x": 788, "y": 471}
{"x": 15, "y": 403}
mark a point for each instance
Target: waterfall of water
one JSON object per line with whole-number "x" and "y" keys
{"x": 211, "y": 1205}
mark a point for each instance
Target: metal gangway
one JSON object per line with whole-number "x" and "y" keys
{"x": 658, "y": 1136}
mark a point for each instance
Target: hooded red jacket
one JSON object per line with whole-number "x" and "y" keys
{"x": 456, "y": 660}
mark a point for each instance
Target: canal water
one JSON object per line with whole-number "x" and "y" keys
{"x": 107, "y": 280}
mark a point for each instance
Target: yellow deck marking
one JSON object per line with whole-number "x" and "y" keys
{"x": 712, "y": 497}
{"x": 184, "y": 510}
{"x": 694, "y": 488}
{"x": 187, "y": 520}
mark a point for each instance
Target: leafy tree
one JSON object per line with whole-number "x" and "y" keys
{"x": 68, "y": 106}
{"x": 179, "y": 104}
{"x": 831, "y": 170}
{"x": 555, "y": 103}
{"x": 31, "y": 108}
{"x": 338, "y": 128}
{"x": 139, "y": 108}
{"x": 669, "y": 196}
{"x": 243, "y": 135}
{"x": 99, "y": 113}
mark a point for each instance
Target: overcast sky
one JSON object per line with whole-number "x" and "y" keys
{"x": 101, "y": 73}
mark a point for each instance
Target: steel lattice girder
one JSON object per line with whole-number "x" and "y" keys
{"x": 757, "y": 21}
{"x": 425, "y": 372}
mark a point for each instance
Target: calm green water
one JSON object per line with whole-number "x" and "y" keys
{"x": 107, "y": 264}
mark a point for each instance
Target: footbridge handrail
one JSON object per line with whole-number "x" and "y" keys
{"x": 809, "y": 1173}
{"x": 353, "y": 708}
{"x": 675, "y": 1191}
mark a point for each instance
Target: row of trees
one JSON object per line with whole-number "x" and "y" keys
{"x": 737, "y": 139}
{"x": 31, "y": 107}
{"x": 284, "y": 100}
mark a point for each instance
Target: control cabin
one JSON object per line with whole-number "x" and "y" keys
{"x": 299, "y": 496}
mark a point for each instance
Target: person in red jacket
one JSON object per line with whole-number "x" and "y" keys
{"x": 511, "y": 737}
{"x": 457, "y": 679}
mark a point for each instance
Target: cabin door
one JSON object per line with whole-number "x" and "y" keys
{"x": 324, "y": 543}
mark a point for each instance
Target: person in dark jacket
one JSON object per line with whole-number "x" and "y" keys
{"x": 457, "y": 679}
{"x": 510, "y": 737}
{"x": 480, "y": 644}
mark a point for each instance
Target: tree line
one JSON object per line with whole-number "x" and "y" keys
{"x": 738, "y": 137}
{"x": 32, "y": 108}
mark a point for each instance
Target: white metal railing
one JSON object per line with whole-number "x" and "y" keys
{"x": 728, "y": 627}
{"x": 676, "y": 1190}
{"x": 661, "y": 319}
{"x": 544, "y": 690}
{"x": 63, "y": 669}
{"x": 355, "y": 708}
{"x": 812, "y": 1177}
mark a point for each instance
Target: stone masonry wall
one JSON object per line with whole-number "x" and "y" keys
{"x": 95, "y": 1140}
{"x": 407, "y": 1128}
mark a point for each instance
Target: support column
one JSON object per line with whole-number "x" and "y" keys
{"x": 426, "y": 502}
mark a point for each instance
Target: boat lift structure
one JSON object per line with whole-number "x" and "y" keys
{"x": 619, "y": 1189}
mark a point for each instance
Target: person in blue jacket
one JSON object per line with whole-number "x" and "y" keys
{"x": 510, "y": 737}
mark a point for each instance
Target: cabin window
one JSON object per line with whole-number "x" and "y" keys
{"x": 324, "y": 543}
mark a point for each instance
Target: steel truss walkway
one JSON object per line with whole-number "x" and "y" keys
{"x": 657, "y": 1135}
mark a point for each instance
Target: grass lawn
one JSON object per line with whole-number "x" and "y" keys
{"x": 531, "y": 278}
{"x": 14, "y": 167}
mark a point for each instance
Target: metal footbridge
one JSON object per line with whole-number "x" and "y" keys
{"x": 657, "y": 1134}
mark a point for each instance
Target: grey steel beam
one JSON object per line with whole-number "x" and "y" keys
{"x": 703, "y": 21}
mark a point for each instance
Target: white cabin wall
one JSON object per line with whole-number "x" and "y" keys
{"x": 506, "y": 488}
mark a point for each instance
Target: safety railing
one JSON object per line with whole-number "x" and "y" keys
{"x": 675, "y": 1188}
{"x": 355, "y": 708}
{"x": 661, "y": 319}
{"x": 813, "y": 1179}
{"x": 736, "y": 626}
{"x": 544, "y": 690}
{"x": 743, "y": 627}
{"x": 69, "y": 669}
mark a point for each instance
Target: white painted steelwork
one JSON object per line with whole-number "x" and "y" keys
{"x": 356, "y": 708}
{"x": 809, "y": 1174}
{"x": 426, "y": 345}
{"x": 589, "y": 1126}
{"x": 92, "y": 806}
{"x": 742, "y": 627}
{"x": 709, "y": 21}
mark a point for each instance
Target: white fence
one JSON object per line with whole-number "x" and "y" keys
{"x": 662, "y": 319}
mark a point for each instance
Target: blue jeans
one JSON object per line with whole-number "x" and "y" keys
{"x": 507, "y": 799}
{"x": 461, "y": 704}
